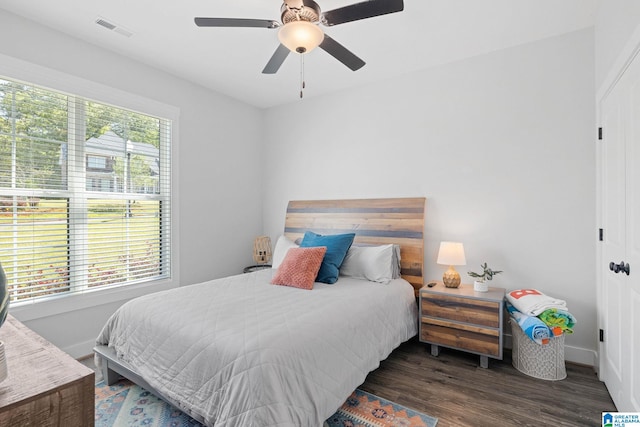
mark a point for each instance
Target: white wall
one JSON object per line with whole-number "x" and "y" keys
{"x": 616, "y": 22}
{"x": 515, "y": 128}
{"x": 218, "y": 172}
{"x": 501, "y": 145}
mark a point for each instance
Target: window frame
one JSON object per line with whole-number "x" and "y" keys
{"x": 93, "y": 168}
{"x": 34, "y": 74}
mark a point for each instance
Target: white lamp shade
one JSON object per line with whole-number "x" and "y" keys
{"x": 451, "y": 253}
{"x": 300, "y": 36}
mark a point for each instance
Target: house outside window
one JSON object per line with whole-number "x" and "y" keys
{"x": 95, "y": 162}
{"x": 84, "y": 194}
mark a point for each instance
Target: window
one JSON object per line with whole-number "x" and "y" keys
{"x": 84, "y": 193}
{"x": 94, "y": 162}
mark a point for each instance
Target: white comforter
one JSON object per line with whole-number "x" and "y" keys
{"x": 239, "y": 351}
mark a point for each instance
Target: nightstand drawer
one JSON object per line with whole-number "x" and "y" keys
{"x": 467, "y": 310}
{"x": 462, "y": 336}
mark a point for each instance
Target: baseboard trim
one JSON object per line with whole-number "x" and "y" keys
{"x": 80, "y": 350}
{"x": 581, "y": 356}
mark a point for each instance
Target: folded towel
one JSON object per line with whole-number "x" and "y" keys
{"x": 533, "y": 302}
{"x": 532, "y": 327}
{"x": 558, "y": 320}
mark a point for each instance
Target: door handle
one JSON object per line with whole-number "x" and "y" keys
{"x": 617, "y": 268}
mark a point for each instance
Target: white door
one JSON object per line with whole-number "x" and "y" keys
{"x": 632, "y": 256}
{"x": 619, "y": 198}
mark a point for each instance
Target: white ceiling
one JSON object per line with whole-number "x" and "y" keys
{"x": 230, "y": 60}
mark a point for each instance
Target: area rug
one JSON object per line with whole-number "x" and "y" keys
{"x": 126, "y": 404}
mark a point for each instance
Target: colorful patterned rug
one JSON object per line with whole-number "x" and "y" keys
{"x": 126, "y": 404}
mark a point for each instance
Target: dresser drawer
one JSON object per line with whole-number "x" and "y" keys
{"x": 459, "y": 309}
{"x": 462, "y": 336}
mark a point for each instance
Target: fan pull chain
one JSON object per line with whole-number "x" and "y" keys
{"x": 302, "y": 83}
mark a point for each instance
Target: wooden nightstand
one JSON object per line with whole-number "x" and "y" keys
{"x": 462, "y": 319}
{"x": 258, "y": 267}
{"x": 46, "y": 387}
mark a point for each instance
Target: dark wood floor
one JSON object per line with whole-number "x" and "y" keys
{"x": 456, "y": 390}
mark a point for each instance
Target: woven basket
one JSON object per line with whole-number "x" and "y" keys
{"x": 545, "y": 362}
{"x": 262, "y": 250}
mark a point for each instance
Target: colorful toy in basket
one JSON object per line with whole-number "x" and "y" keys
{"x": 541, "y": 317}
{"x": 533, "y": 302}
{"x": 560, "y": 321}
{"x": 532, "y": 327}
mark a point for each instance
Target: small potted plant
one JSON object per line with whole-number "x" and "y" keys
{"x": 481, "y": 285}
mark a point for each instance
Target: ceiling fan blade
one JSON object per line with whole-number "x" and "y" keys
{"x": 362, "y": 10}
{"x": 341, "y": 53}
{"x": 276, "y": 60}
{"x": 236, "y": 22}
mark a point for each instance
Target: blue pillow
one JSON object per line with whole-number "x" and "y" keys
{"x": 337, "y": 246}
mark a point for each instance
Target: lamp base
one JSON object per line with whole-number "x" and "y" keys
{"x": 451, "y": 278}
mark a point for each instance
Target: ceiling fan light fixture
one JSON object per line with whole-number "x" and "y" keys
{"x": 300, "y": 36}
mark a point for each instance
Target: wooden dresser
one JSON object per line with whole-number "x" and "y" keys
{"x": 45, "y": 387}
{"x": 462, "y": 319}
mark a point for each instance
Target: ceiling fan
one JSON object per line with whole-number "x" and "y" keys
{"x": 299, "y": 31}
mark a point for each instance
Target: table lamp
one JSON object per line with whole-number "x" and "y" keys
{"x": 451, "y": 253}
{"x": 262, "y": 250}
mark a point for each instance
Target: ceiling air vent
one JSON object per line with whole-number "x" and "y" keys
{"x": 113, "y": 27}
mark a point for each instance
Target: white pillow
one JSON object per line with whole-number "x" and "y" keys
{"x": 280, "y": 251}
{"x": 374, "y": 263}
{"x": 396, "y": 262}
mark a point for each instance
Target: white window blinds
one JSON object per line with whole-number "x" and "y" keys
{"x": 84, "y": 193}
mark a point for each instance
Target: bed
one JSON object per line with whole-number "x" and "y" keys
{"x": 239, "y": 351}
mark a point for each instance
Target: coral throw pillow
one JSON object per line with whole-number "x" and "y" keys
{"x": 299, "y": 267}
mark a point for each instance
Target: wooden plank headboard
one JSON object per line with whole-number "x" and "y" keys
{"x": 375, "y": 221}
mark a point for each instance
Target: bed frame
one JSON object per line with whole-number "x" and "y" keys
{"x": 375, "y": 221}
